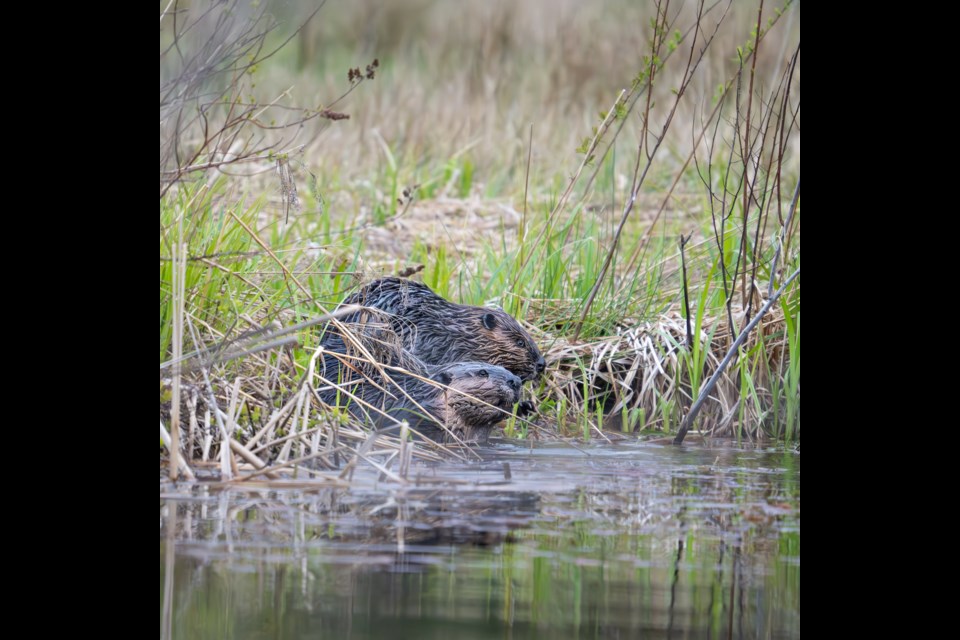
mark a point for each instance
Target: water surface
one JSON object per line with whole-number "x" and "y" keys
{"x": 604, "y": 541}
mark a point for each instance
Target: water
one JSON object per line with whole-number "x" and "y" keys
{"x": 609, "y": 541}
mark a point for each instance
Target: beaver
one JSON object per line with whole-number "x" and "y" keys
{"x": 479, "y": 396}
{"x": 438, "y": 331}
{"x": 355, "y": 349}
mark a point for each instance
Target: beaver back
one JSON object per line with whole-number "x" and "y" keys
{"x": 438, "y": 331}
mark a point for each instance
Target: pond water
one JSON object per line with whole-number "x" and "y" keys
{"x": 597, "y": 541}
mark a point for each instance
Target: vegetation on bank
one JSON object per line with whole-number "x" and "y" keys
{"x": 636, "y": 269}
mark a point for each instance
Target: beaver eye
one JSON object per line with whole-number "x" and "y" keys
{"x": 521, "y": 343}
{"x": 483, "y": 373}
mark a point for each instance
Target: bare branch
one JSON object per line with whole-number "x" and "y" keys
{"x": 212, "y": 51}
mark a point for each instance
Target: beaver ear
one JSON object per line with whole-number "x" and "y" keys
{"x": 443, "y": 378}
{"x": 489, "y": 320}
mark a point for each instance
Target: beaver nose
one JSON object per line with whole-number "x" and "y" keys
{"x": 541, "y": 365}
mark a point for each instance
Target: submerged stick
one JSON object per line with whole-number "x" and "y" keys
{"x": 251, "y": 457}
{"x": 712, "y": 382}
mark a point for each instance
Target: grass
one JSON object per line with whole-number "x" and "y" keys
{"x": 430, "y": 174}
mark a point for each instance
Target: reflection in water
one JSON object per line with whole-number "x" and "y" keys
{"x": 638, "y": 541}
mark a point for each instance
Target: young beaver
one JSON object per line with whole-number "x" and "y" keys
{"x": 438, "y": 331}
{"x": 464, "y": 409}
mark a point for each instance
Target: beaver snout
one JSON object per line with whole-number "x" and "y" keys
{"x": 513, "y": 383}
{"x": 541, "y": 366}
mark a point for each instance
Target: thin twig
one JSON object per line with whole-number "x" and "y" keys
{"x": 526, "y": 188}
{"x": 776, "y": 255}
{"x": 686, "y": 296}
{"x": 179, "y": 293}
{"x": 745, "y": 156}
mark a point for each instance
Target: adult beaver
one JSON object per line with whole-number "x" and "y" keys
{"x": 474, "y": 398}
{"x": 438, "y": 331}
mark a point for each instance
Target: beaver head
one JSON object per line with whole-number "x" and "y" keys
{"x": 456, "y": 333}
{"x": 480, "y": 396}
{"x": 465, "y": 399}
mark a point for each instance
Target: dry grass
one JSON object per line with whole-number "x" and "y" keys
{"x": 643, "y": 369}
{"x": 267, "y": 407}
{"x": 464, "y": 81}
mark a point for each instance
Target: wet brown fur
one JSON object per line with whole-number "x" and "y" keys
{"x": 438, "y": 331}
